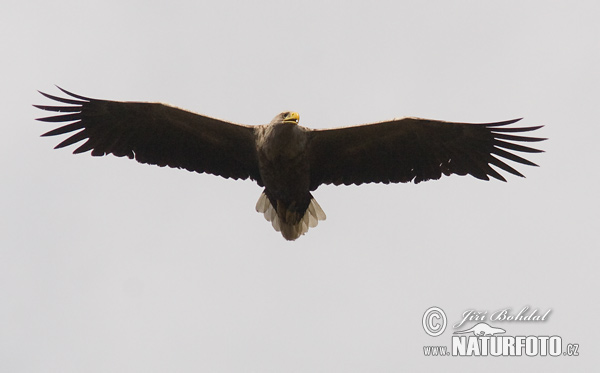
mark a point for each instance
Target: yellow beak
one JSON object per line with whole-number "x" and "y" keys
{"x": 292, "y": 117}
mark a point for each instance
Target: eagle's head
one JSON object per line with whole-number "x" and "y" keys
{"x": 287, "y": 117}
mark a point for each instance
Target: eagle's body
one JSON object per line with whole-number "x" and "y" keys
{"x": 289, "y": 160}
{"x": 284, "y": 168}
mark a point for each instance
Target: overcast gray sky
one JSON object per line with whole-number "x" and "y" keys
{"x": 109, "y": 265}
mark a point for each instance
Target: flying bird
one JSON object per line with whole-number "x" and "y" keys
{"x": 288, "y": 160}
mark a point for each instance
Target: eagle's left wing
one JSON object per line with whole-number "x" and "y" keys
{"x": 156, "y": 134}
{"x": 413, "y": 149}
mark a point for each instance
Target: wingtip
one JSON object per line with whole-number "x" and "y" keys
{"x": 503, "y": 123}
{"x": 80, "y": 99}
{"x": 73, "y": 94}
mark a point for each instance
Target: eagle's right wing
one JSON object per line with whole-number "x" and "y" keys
{"x": 156, "y": 134}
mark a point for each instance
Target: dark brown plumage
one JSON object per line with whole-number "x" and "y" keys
{"x": 289, "y": 160}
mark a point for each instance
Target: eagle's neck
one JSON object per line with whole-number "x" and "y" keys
{"x": 282, "y": 141}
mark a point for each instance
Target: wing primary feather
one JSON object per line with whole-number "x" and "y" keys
{"x": 493, "y": 173}
{"x": 73, "y": 139}
{"x": 517, "y": 138}
{"x": 61, "y": 118}
{"x": 518, "y": 129}
{"x": 478, "y": 174}
{"x": 504, "y": 123}
{"x": 516, "y": 147}
{"x": 64, "y": 129}
{"x": 60, "y": 109}
{"x": 88, "y": 145}
{"x": 74, "y": 95}
{"x": 512, "y": 157}
{"x": 63, "y": 100}
{"x": 496, "y": 162}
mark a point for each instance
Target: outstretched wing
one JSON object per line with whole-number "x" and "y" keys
{"x": 156, "y": 134}
{"x": 413, "y": 149}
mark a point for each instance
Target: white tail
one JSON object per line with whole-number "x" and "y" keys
{"x": 290, "y": 232}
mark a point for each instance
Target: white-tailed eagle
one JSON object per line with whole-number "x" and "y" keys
{"x": 289, "y": 160}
